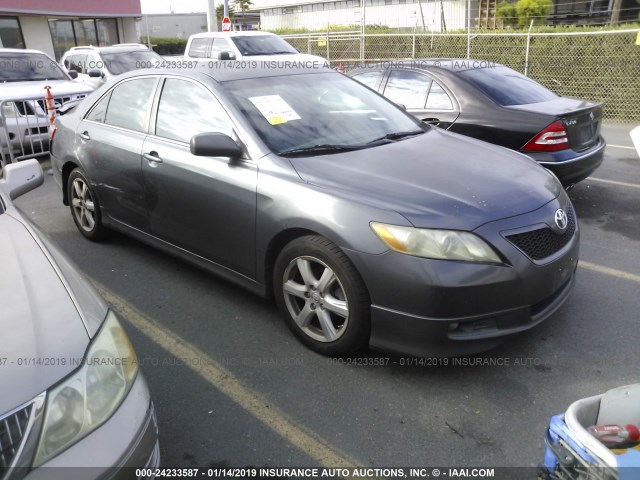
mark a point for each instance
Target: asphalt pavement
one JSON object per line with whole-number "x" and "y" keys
{"x": 232, "y": 386}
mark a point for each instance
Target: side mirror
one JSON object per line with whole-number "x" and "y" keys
{"x": 226, "y": 56}
{"x": 214, "y": 145}
{"x": 20, "y": 178}
{"x": 73, "y": 74}
{"x": 96, "y": 73}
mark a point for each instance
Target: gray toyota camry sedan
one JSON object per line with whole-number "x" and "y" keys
{"x": 367, "y": 226}
{"x": 71, "y": 394}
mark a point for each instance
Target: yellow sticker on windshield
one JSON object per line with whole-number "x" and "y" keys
{"x": 277, "y": 120}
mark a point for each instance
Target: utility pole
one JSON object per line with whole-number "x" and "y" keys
{"x": 615, "y": 12}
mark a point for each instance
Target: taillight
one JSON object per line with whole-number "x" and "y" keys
{"x": 551, "y": 139}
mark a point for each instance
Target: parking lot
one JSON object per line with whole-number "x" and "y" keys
{"x": 232, "y": 387}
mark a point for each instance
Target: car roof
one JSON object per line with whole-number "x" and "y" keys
{"x": 265, "y": 68}
{"x": 122, "y": 47}
{"x": 245, "y": 33}
{"x": 21, "y": 50}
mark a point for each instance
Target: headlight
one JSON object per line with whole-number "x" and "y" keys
{"x": 9, "y": 110}
{"x": 89, "y": 396}
{"x": 438, "y": 244}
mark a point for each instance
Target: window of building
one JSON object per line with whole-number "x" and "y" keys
{"x": 83, "y": 32}
{"x": 10, "y": 33}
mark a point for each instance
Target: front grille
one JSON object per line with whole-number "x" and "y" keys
{"x": 543, "y": 242}
{"x": 12, "y": 430}
{"x": 37, "y": 131}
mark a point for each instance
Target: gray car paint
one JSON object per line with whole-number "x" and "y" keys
{"x": 436, "y": 180}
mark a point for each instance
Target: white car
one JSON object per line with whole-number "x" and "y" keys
{"x": 96, "y": 65}
{"x": 241, "y": 45}
{"x": 23, "y": 119}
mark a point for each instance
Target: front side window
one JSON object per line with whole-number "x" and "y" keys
{"x": 130, "y": 104}
{"x": 186, "y": 109}
{"x": 309, "y": 110}
{"x": 220, "y": 45}
{"x": 75, "y": 63}
{"x": 407, "y": 88}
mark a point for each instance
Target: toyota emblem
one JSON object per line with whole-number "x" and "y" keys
{"x": 561, "y": 219}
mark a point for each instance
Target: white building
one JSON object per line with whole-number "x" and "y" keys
{"x": 433, "y": 16}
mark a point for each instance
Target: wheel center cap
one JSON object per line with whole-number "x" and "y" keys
{"x": 315, "y": 297}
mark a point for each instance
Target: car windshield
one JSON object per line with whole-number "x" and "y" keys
{"x": 121, "y": 62}
{"x": 29, "y": 67}
{"x": 322, "y": 113}
{"x": 507, "y": 87}
{"x": 262, "y": 45}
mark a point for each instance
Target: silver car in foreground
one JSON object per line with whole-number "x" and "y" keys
{"x": 72, "y": 393}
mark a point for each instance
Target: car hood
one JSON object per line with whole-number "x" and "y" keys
{"x": 437, "y": 179}
{"x": 59, "y": 88}
{"x": 43, "y": 335}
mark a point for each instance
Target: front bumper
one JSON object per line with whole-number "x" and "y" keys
{"x": 429, "y": 307}
{"x": 570, "y": 166}
{"x": 128, "y": 440}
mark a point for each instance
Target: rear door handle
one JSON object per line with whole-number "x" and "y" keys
{"x": 84, "y": 136}
{"x": 152, "y": 157}
{"x": 431, "y": 121}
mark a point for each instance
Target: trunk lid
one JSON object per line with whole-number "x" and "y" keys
{"x": 582, "y": 119}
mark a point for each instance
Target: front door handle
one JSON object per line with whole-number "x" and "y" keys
{"x": 84, "y": 136}
{"x": 152, "y": 157}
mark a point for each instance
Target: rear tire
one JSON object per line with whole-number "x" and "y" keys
{"x": 84, "y": 206}
{"x": 321, "y": 296}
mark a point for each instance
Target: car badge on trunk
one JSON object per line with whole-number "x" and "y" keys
{"x": 561, "y": 219}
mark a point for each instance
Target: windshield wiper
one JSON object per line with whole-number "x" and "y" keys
{"x": 397, "y": 135}
{"x": 320, "y": 149}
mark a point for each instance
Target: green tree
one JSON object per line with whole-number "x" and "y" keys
{"x": 507, "y": 14}
{"x": 242, "y": 5}
{"x": 536, "y": 10}
{"x": 220, "y": 12}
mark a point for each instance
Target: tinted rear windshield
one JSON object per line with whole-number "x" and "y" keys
{"x": 25, "y": 67}
{"x": 262, "y": 45}
{"x": 121, "y": 62}
{"x": 507, "y": 87}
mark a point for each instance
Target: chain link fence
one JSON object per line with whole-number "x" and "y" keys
{"x": 601, "y": 66}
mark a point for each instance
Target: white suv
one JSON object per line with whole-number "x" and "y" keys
{"x": 96, "y": 65}
{"x": 238, "y": 46}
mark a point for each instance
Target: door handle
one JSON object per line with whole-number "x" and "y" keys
{"x": 431, "y": 121}
{"x": 152, "y": 157}
{"x": 84, "y": 136}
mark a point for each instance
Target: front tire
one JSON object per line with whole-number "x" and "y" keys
{"x": 84, "y": 206}
{"x": 321, "y": 296}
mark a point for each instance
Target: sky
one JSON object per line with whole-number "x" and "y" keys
{"x": 178, "y": 6}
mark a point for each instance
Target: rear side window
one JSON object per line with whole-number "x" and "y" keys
{"x": 407, "y": 88}
{"x": 438, "y": 98}
{"x": 130, "y": 104}
{"x": 507, "y": 87}
{"x": 99, "y": 111}
{"x": 198, "y": 48}
{"x": 370, "y": 79}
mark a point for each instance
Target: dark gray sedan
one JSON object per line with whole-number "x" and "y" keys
{"x": 367, "y": 226}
